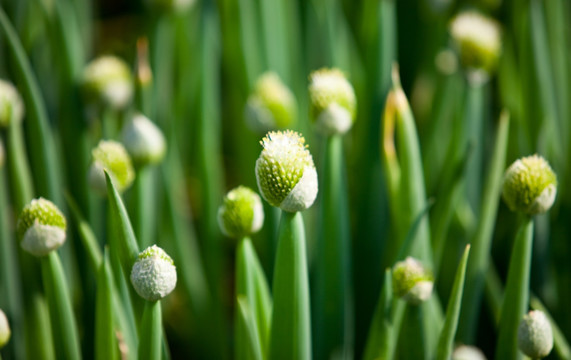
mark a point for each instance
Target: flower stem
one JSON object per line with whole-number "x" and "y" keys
{"x": 290, "y": 335}
{"x": 151, "y": 332}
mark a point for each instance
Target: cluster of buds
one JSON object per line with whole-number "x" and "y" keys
{"x": 241, "y": 213}
{"x": 530, "y": 185}
{"x": 271, "y": 105}
{"x": 11, "y": 105}
{"x": 333, "y": 101}
{"x": 112, "y": 157}
{"x": 285, "y": 172}
{"x": 412, "y": 282}
{"x": 41, "y": 227}
{"x": 153, "y": 275}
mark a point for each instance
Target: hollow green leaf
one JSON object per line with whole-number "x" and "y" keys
{"x": 150, "y": 344}
{"x": 105, "y": 336}
{"x": 249, "y": 347}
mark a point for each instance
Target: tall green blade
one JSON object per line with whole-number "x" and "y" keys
{"x": 105, "y": 338}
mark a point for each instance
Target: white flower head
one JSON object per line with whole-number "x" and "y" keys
{"x": 110, "y": 156}
{"x": 11, "y": 104}
{"x": 4, "y": 330}
{"x": 153, "y": 275}
{"x": 41, "y": 227}
{"x": 478, "y": 40}
{"x": 285, "y": 171}
{"x": 333, "y": 101}
{"x": 144, "y": 141}
{"x": 534, "y": 335}
{"x": 241, "y": 214}
{"x": 466, "y": 352}
{"x": 108, "y": 81}
{"x": 412, "y": 282}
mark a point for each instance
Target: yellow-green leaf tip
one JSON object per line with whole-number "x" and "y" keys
{"x": 153, "y": 275}
{"x": 41, "y": 227}
{"x": 333, "y": 101}
{"x": 534, "y": 335}
{"x": 271, "y": 106}
{"x": 285, "y": 172}
{"x": 530, "y": 185}
{"x": 110, "y": 156}
{"x": 241, "y": 214}
{"x": 107, "y": 81}
{"x": 4, "y": 330}
{"x": 11, "y": 105}
{"x": 477, "y": 39}
{"x": 412, "y": 282}
{"x": 144, "y": 141}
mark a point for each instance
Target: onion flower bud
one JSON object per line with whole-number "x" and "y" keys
{"x": 41, "y": 227}
{"x": 11, "y": 105}
{"x": 534, "y": 335}
{"x": 285, "y": 172}
{"x": 4, "y": 330}
{"x": 412, "y": 282}
{"x": 144, "y": 141}
{"x": 271, "y": 106}
{"x": 241, "y": 214}
{"x": 108, "y": 81}
{"x": 530, "y": 185}
{"x": 466, "y": 352}
{"x": 153, "y": 275}
{"x": 112, "y": 157}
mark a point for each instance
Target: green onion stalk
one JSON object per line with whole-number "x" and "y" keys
{"x": 287, "y": 179}
{"x": 529, "y": 188}
{"x": 240, "y": 215}
{"x": 333, "y": 108}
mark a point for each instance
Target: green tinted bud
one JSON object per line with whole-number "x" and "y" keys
{"x": 530, "y": 185}
{"x": 11, "y": 105}
{"x": 534, "y": 335}
{"x": 333, "y": 101}
{"x": 144, "y": 141}
{"x": 153, "y": 275}
{"x": 107, "y": 81}
{"x": 477, "y": 39}
{"x": 271, "y": 105}
{"x": 41, "y": 227}
{"x": 112, "y": 157}
{"x": 465, "y": 352}
{"x": 285, "y": 171}
{"x": 4, "y": 330}
{"x": 241, "y": 214}
{"x": 411, "y": 281}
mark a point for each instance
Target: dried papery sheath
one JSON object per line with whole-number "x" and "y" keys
{"x": 477, "y": 39}
{"x": 144, "y": 141}
{"x": 41, "y": 227}
{"x": 4, "y": 330}
{"x": 153, "y": 275}
{"x": 11, "y": 105}
{"x": 466, "y": 352}
{"x": 107, "y": 81}
{"x": 534, "y": 335}
{"x": 110, "y": 156}
{"x": 530, "y": 185}
{"x": 412, "y": 282}
{"x": 241, "y": 213}
{"x": 333, "y": 101}
{"x": 271, "y": 106}
{"x": 285, "y": 172}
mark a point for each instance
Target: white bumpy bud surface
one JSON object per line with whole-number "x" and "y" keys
{"x": 153, "y": 275}
{"x": 466, "y": 352}
{"x": 534, "y": 335}
{"x": 144, "y": 141}
{"x": 112, "y": 157}
{"x": 41, "y": 227}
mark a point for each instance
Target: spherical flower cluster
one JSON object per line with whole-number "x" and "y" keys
{"x": 333, "y": 101}
{"x": 241, "y": 214}
{"x": 41, "y": 227}
{"x": 466, "y": 352}
{"x": 530, "y": 185}
{"x": 112, "y": 157}
{"x": 285, "y": 172}
{"x": 271, "y": 105}
{"x": 107, "y": 81}
{"x": 144, "y": 141}
{"x": 412, "y": 282}
{"x": 4, "y": 330}
{"x": 153, "y": 275}
{"x": 478, "y": 40}
{"x": 11, "y": 105}
{"x": 534, "y": 335}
